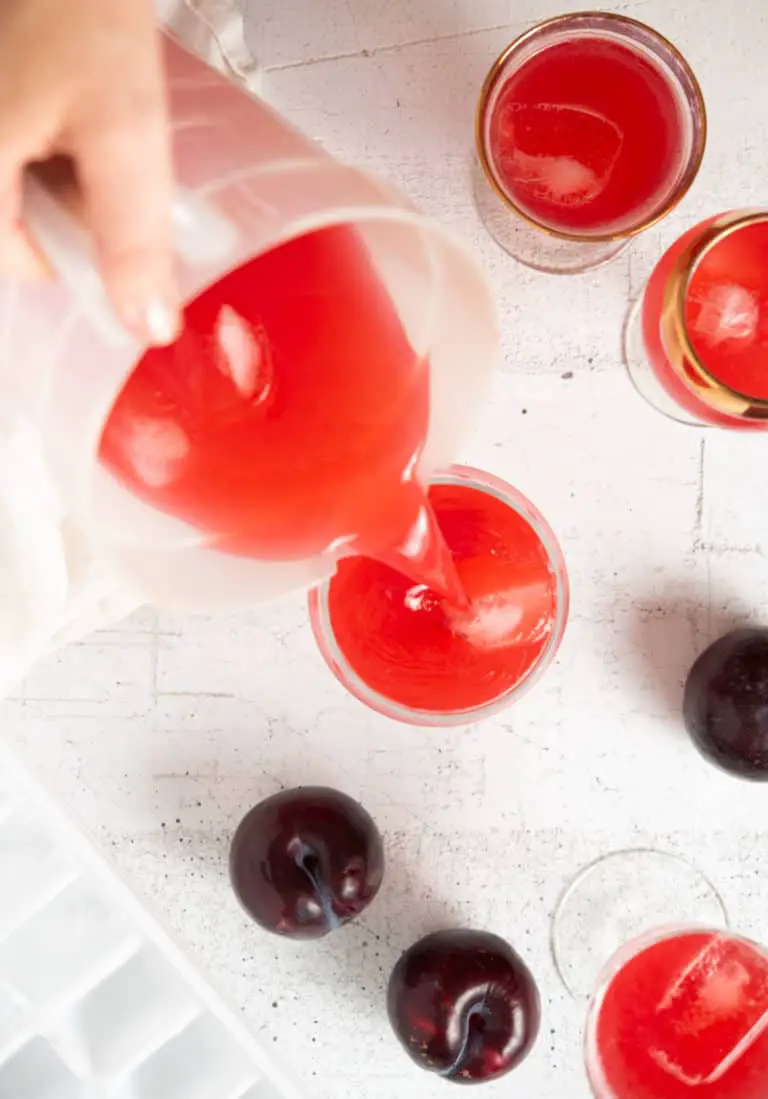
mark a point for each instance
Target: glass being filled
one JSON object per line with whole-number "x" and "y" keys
{"x": 696, "y": 344}
{"x": 426, "y": 657}
{"x": 681, "y": 1014}
{"x": 590, "y": 128}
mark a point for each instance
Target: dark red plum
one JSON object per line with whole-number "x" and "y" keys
{"x": 725, "y": 705}
{"x": 306, "y": 861}
{"x": 464, "y": 1005}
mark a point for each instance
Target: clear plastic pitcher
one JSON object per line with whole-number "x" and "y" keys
{"x": 249, "y": 185}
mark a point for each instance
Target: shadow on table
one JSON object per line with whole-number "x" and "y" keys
{"x": 360, "y": 957}
{"x": 667, "y": 631}
{"x": 203, "y": 803}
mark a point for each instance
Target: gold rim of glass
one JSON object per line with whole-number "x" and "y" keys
{"x": 683, "y": 357}
{"x": 496, "y": 73}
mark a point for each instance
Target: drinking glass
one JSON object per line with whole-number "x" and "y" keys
{"x": 680, "y": 1013}
{"x": 696, "y": 341}
{"x": 588, "y": 169}
{"x": 548, "y": 637}
{"x": 620, "y": 896}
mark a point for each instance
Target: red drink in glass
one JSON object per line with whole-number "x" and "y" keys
{"x": 590, "y": 128}
{"x": 704, "y": 325}
{"x": 587, "y": 136}
{"x": 403, "y": 650}
{"x": 684, "y": 1017}
{"x": 260, "y": 428}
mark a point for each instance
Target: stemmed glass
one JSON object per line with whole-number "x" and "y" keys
{"x": 590, "y": 128}
{"x": 678, "y": 1004}
{"x": 681, "y": 1013}
{"x": 540, "y": 581}
{"x": 696, "y": 341}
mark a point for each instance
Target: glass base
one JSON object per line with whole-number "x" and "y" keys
{"x": 620, "y": 897}
{"x": 535, "y": 247}
{"x": 641, "y": 373}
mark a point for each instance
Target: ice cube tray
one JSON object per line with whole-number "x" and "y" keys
{"x": 96, "y": 1001}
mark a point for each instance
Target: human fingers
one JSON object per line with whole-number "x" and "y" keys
{"x": 121, "y": 150}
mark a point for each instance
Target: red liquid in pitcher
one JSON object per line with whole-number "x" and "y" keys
{"x": 419, "y": 652}
{"x": 726, "y": 316}
{"x": 587, "y": 136}
{"x": 289, "y": 415}
{"x": 686, "y": 1018}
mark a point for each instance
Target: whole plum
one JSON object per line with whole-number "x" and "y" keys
{"x": 464, "y": 1005}
{"x": 725, "y": 704}
{"x": 306, "y": 861}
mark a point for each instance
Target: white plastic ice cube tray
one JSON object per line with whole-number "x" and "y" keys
{"x": 96, "y": 1002}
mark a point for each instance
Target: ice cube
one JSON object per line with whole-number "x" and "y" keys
{"x": 509, "y": 618}
{"x": 726, "y": 312}
{"x": 509, "y": 603}
{"x": 156, "y": 449}
{"x": 244, "y": 354}
{"x": 562, "y": 180}
{"x": 420, "y": 598}
{"x": 545, "y": 155}
{"x": 492, "y": 621}
{"x": 715, "y": 1009}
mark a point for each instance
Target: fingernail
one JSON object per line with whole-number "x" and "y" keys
{"x": 161, "y": 322}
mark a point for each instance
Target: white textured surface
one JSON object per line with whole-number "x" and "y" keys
{"x": 163, "y": 732}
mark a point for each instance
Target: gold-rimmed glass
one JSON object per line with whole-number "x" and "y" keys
{"x": 662, "y": 354}
{"x": 547, "y": 247}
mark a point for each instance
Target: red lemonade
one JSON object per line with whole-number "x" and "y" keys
{"x": 397, "y": 644}
{"x": 289, "y": 414}
{"x": 685, "y": 1018}
{"x": 725, "y": 316}
{"x": 287, "y": 421}
{"x": 726, "y": 310}
{"x": 587, "y": 136}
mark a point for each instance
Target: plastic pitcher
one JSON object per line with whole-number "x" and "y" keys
{"x": 250, "y": 186}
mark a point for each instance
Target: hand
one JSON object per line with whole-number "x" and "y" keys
{"x": 83, "y": 79}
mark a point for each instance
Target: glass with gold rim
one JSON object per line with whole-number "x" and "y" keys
{"x": 696, "y": 342}
{"x": 590, "y": 128}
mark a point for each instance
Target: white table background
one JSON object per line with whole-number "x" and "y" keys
{"x": 161, "y": 733}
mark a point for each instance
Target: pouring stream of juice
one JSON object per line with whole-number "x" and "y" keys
{"x": 288, "y": 419}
